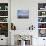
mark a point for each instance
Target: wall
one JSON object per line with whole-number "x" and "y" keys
{"x": 23, "y": 24}
{"x": 32, "y": 5}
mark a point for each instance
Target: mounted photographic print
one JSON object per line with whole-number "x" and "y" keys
{"x": 23, "y": 14}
